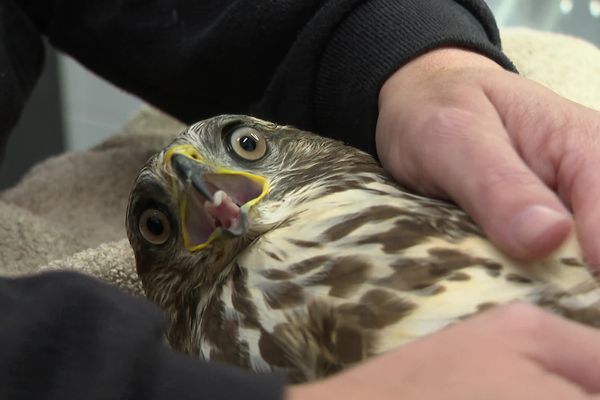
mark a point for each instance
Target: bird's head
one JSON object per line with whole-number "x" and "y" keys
{"x": 217, "y": 187}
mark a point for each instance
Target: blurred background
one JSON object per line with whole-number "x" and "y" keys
{"x": 72, "y": 109}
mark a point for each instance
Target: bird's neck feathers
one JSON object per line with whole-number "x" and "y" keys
{"x": 191, "y": 279}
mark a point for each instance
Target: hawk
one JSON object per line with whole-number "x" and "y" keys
{"x": 276, "y": 249}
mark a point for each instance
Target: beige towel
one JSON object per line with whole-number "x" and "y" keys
{"x": 68, "y": 211}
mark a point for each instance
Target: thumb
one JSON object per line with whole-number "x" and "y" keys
{"x": 468, "y": 156}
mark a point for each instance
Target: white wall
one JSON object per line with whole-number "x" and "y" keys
{"x": 92, "y": 108}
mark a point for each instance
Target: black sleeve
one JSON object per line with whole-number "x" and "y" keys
{"x": 65, "y": 336}
{"x": 21, "y": 61}
{"x": 316, "y": 64}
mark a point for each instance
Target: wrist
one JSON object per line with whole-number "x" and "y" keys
{"x": 434, "y": 62}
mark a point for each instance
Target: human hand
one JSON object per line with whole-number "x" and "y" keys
{"x": 515, "y": 351}
{"x": 516, "y": 156}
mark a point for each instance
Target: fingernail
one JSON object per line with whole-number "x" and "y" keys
{"x": 539, "y": 227}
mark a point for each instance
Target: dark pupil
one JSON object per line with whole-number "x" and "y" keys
{"x": 155, "y": 226}
{"x": 248, "y": 143}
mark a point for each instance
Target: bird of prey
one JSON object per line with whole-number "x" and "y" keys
{"x": 276, "y": 249}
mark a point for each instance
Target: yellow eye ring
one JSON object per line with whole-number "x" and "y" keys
{"x": 154, "y": 226}
{"x": 248, "y": 143}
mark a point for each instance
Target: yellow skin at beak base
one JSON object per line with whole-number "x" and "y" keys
{"x": 190, "y": 151}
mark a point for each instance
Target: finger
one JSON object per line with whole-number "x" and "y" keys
{"x": 559, "y": 140}
{"x": 585, "y": 198}
{"x": 477, "y": 166}
{"x": 562, "y": 347}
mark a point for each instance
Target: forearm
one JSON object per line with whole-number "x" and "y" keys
{"x": 315, "y": 64}
{"x": 69, "y": 337}
{"x": 362, "y": 56}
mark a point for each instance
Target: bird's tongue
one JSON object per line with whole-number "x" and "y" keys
{"x": 225, "y": 212}
{"x": 203, "y": 217}
{"x": 217, "y": 204}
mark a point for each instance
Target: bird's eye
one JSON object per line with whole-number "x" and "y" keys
{"x": 154, "y": 226}
{"x": 248, "y": 143}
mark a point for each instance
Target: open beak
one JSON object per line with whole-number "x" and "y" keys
{"x": 215, "y": 201}
{"x": 191, "y": 171}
